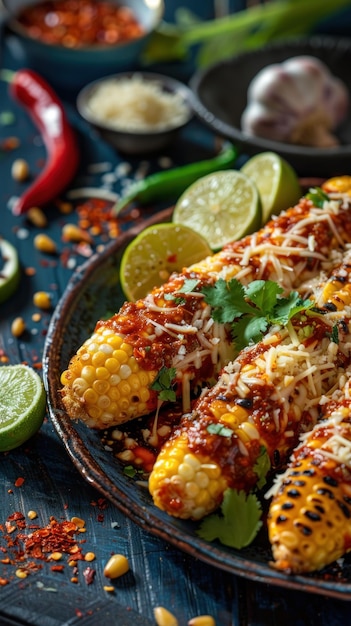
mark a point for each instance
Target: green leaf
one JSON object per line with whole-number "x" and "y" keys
{"x": 219, "y": 429}
{"x": 262, "y": 467}
{"x": 189, "y": 285}
{"x": 239, "y": 522}
{"x": 163, "y": 384}
{"x": 317, "y": 196}
{"x": 251, "y": 309}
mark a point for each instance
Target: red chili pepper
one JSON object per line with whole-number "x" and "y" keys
{"x": 48, "y": 115}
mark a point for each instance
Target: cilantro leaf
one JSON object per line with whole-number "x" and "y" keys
{"x": 239, "y": 522}
{"x": 219, "y": 429}
{"x": 317, "y": 196}
{"x": 262, "y": 467}
{"x": 251, "y": 309}
{"x": 189, "y": 285}
{"x": 163, "y": 384}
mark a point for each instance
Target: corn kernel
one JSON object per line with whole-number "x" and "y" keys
{"x": 90, "y": 556}
{"x": 42, "y": 300}
{"x": 18, "y": 326}
{"x": 20, "y": 170}
{"x": 164, "y": 617}
{"x": 74, "y": 234}
{"x": 74, "y": 580}
{"x": 21, "y": 573}
{"x": 56, "y": 556}
{"x": 109, "y": 588}
{"x": 44, "y": 243}
{"x": 202, "y": 620}
{"x": 32, "y": 514}
{"x": 117, "y": 565}
{"x": 37, "y": 217}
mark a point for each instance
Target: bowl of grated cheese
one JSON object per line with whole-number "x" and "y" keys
{"x": 137, "y": 112}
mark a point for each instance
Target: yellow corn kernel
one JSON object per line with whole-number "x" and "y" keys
{"x": 37, "y": 217}
{"x": 109, "y": 588}
{"x": 42, "y": 300}
{"x": 117, "y": 565}
{"x": 32, "y": 514}
{"x": 21, "y": 573}
{"x": 163, "y": 617}
{"x": 74, "y": 234}
{"x": 44, "y": 243}
{"x": 202, "y": 620}
{"x": 90, "y": 556}
{"x": 18, "y": 327}
{"x": 20, "y": 170}
{"x": 56, "y": 556}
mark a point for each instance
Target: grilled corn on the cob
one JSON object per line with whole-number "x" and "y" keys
{"x": 108, "y": 381}
{"x": 309, "y": 520}
{"x": 263, "y": 400}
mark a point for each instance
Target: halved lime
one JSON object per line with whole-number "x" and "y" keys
{"x": 222, "y": 207}
{"x": 9, "y": 270}
{"x": 155, "y": 253}
{"x": 276, "y": 180}
{"x": 22, "y": 405}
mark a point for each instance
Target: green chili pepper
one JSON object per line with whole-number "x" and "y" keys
{"x": 171, "y": 183}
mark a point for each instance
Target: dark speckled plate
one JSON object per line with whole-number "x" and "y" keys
{"x": 94, "y": 290}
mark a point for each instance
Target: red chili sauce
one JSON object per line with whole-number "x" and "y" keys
{"x": 80, "y": 23}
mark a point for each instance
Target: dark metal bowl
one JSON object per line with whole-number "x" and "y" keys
{"x": 220, "y": 97}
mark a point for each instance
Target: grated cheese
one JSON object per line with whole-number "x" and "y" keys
{"x": 137, "y": 104}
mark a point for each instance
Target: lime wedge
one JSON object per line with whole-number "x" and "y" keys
{"x": 155, "y": 253}
{"x": 9, "y": 270}
{"x": 22, "y": 405}
{"x": 222, "y": 207}
{"x": 276, "y": 181}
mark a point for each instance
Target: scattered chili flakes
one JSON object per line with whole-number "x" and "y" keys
{"x": 96, "y": 215}
{"x": 23, "y": 549}
{"x": 19, "y": 481}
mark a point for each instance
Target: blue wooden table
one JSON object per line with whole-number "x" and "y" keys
{"x": 160, "y": 574}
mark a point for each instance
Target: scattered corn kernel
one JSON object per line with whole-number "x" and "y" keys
{"x": 20, "y": 170}
{"x": 90, "y": 556}
{"x": 117, "y": 565}
{"x": 78, "y": 522}
{"x": 37, "y": 217}
{"x": 18, "y": 326}
{"x": 109, "y": 588}
{"x": 74, "y": 579}
{"x": 72, "y": 563}
{"x": 65, "y": 207}
{"x": 72, "y": 233}
{"x": 43, "y": 243}
{"x": 56, "y": 556}
{"x": 42, "y": 300}
{"x": 202, "y": 620}
{"x": 164, "y": 617}
{"x": 32, "y": 514}
{"x": 21, "y": 573}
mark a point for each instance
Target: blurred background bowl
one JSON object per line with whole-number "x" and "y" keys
{"x": 71, "y": 68}
{"x": 137, "y": 141}
{"x": 220, "y": 97}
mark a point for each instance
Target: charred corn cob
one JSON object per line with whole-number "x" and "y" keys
{"x": 109, "y": 380}
{"x": 309, "y": 520}
{"x": 262, "y": 402}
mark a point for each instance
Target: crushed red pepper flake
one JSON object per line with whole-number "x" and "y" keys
{"x": 25, "y": 548}
{"x": 19, "y": 481}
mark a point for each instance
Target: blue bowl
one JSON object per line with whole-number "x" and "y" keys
{"x": 71, "y": 68}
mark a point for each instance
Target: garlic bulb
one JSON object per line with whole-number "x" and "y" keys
{"x": 298, "y": 101}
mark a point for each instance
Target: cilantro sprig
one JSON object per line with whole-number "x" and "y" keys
{"x": 164, "y": 383}
{"x": 238, "y": 523}
{"x": 317, "y": 196}
{"x": 252, "y": 309}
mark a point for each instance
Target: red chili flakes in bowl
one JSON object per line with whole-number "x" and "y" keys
{"x": 80, "y": 23}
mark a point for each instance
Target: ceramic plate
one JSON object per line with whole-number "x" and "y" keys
{"x": 93, "y": 291}
{"x": 220, "y": 96}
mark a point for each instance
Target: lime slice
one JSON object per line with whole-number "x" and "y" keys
{"x": 9, "y": 270}
{"x": 276, "y": 180}
{"x": 22, "y": 405}
{"x": 222, "y": 207}
{"x": 155, "y": 253}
